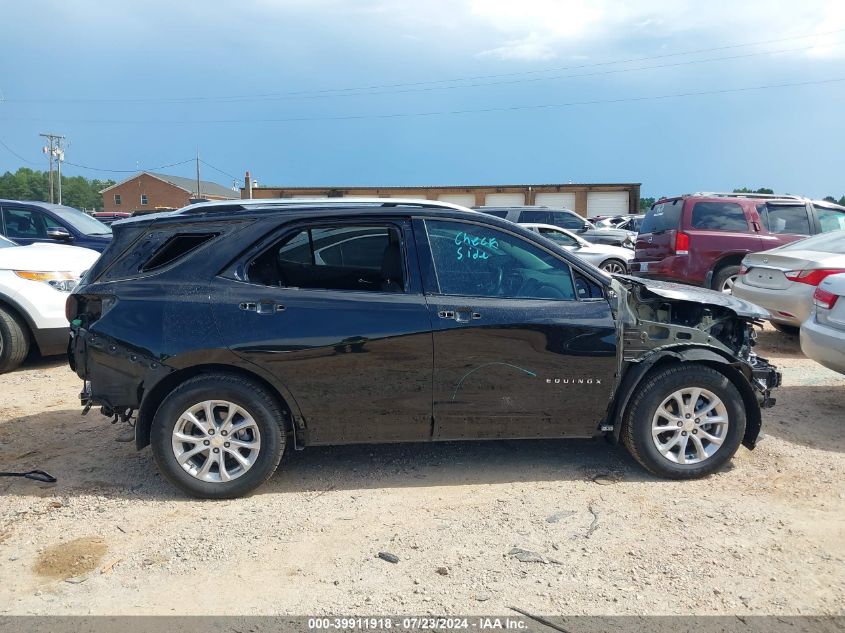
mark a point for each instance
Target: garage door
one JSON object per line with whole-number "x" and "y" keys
{"x": 555, "y": 200}
{"x": 504, "y": 199}
{"x": 607, "y": 203}
{"x": 465, "y": 199}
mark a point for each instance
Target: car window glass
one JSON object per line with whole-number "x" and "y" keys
{"x": 718, "y": 216}
{"x": 779, "y": 218}
{"x": 663, "y": 216}
{"x": 535, "y": 216}
{"x": 830, "y": 219}
{"x": 365, "y": 258}
{"x": 567, "y": 220}
{"x": 557, "y": 236}
{"x": 24, "y": 223}
{"x": 479, "y": 261}
{"x": 499, "y": 214}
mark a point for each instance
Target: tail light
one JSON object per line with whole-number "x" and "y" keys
{"x": 811, "y": 277}
{"x": 824, "y": 299}
{"x": 681, "y": 243}
{"x": 71, "y": 308}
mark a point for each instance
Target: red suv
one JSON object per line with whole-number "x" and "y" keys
{"x": 701, "y": 238}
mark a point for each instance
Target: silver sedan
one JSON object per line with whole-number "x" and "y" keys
{"x": 612, "y": 259}
{"x": 783, "y": 279}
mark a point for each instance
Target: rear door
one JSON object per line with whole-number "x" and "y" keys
{"x": 334, "y": 311}
{"x": 516, "y": 353}
{"x": 718, "y": 228}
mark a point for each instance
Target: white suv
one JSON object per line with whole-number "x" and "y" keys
{"x": 34, "y": 283}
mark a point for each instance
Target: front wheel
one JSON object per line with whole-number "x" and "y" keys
{"x": 613, "y": 266}
{"x": 684, "y": 422}
{"x": 218, "y": 436}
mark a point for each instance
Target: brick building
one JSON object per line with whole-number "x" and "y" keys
{"x": 587, "y": 199}
{"x": 149, "y": 192}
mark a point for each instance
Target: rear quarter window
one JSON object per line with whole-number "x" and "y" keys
{"x": 662, "y": 216}
{"x": 718, "y": 216}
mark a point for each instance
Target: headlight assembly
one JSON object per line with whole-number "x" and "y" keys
{"x": 61, "y": 281}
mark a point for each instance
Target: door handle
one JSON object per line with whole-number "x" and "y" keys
{"x": 261, "y": 307}
{"x": 461, "y": 315}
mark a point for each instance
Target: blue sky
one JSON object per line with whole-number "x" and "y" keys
{"x": 144, "y": 84}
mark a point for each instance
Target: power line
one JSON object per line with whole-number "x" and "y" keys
{"x": 129, "y": 171}
{"x": 359, "y": 89}
{"x": 14, "y": 153}
{"x": 218, "y": 169}
{"x": 399, "y": 115}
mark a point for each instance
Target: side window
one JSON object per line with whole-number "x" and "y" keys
{"x": 535, "y": 216}
{"x": 480, "y": 261}
{"x": 779, "y": 218}
{"x": 24, "y": 223}
{"x": 567, "y": 220}
{"x": 345, "y": 257}
{"x": 830, "y": 219}
{"x": 558, "y": 236}
{"x": 719, "y": 216}
{"x": 499, "y": 214}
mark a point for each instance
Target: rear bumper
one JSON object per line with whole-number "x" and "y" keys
{"x": 675, "y": 268}
{"x": 797, "y": 302}
{"x": 823, "y": 344}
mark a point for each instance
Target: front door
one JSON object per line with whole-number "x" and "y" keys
{"x": 332, "y": 310}
{"x": 516, "y": 352}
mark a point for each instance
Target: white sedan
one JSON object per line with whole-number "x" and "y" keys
{"x": 823, "y": 333}
{"x": 611, "y": 259}
{"x": 34, "y": 283}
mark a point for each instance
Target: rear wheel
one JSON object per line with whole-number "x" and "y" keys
{"x": 14, "y": 340}
{"x": 614, "y": 266}
{"x": 684, "y": 422}
{"x": 724, "y": 279}
{"x": 218, "y": 436}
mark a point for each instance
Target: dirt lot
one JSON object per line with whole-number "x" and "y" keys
{"x": 766, "y": 536}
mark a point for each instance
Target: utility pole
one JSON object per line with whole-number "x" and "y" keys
{"x": 54, "y": 151}
{"x": 199, "y": 193}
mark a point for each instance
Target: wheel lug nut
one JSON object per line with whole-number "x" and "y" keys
{"x": 211, "y": 431}
{"x": 682, "y": 433}
{"x": 206, "y": 442}
{"x": 698, "y": 420}
{"x": 688, "y": 416}
{"x": 216, "y": 450}
{"x": 224, "y": 433}
{"x": 680, "y": 423}
{"x": 226, "y": 444}
{"x": 694, "y": 431}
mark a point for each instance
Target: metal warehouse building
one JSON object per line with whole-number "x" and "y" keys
{"x": 587, "y": 199}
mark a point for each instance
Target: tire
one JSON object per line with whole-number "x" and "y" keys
{"x": 614, "y": 266}
{"x": 14, "y": 340}
{"x": 792, "y": 330}
{"x": 256, "y": 412}
{"x": 724, "y": 278}
{"x": 658, "y": 389}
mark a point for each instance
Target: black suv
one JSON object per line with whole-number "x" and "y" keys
{"x": 230, "y": 331}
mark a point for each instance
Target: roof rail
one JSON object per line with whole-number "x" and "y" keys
{"x": 764, "y": 196}
{"x": 332, "y": 203}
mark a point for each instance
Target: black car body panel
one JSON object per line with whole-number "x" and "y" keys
{"x": 413, "y": 363}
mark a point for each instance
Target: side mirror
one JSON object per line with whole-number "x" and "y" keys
{"x": 59, "y": 233}
{"x": 585, "y": 227}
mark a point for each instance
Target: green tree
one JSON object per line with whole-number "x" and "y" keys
{"x": 760, "y": 190}
{"x": 77, "y": 191}
{"x": 645, "y": 204}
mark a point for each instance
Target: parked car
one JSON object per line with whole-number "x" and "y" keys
{"x": 107, "y": 217}
{"x": 565, "y": 219}
{"x": 631, "y": 223}
{"x": 611, "y": 259}
{"x": 823, "y": 333}
{"x": 442, "y": 325}
{"x": 700, "y": 239}
{"x": 34, "y": 283}
{"x": 623, "y": 222}
{"x": 31, "y": 222}
{"x": 783, "y": 279}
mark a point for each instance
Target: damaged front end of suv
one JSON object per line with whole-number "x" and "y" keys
{"x": 661, "y": 322}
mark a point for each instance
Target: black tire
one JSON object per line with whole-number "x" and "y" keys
{"x": 264, "y": 409}
{"x": 722, "y": 275}
{"x": 650, "y": 394}
{"x": 14, "y": 340}
{"x": 606, "y": 264}
{"x": 792, "y": 330}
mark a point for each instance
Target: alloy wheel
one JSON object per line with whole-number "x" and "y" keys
{"x": 690, "y": 425}
{"x": 728, "y": 284}
{"x": 614, "y": 268}
{"x": 216, "y": 441}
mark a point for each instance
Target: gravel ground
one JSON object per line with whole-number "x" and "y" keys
{"x": 547, "y": 526}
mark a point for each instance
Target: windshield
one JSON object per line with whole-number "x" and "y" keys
{"x": 826, "y": 243}
{"x": 662, "y": 217}
{"x": 81, "y": 222}
{"x": 6, "y": 243}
